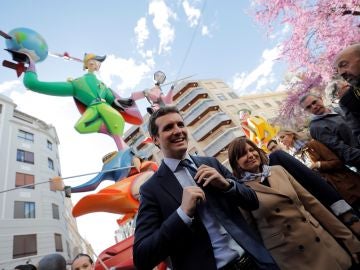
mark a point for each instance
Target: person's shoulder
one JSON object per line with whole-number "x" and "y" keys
{"x": 278, "y": 170}
{"x": 152, "y": 179}
{"x": 206, "y": 160}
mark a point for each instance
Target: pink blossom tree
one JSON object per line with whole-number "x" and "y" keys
{"x": 318, "y": 30}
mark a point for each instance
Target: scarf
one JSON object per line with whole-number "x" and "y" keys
{"x": 248, "y": 176}
{"x": 299, "y": 145}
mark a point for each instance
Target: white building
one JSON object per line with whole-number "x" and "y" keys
{"x": 210, "y": 109}
{"x": 34, "y": 220}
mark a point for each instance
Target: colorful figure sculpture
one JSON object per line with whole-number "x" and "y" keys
{"x": 121, "y": 197}
{"x": 257, "y": 129}
{"x": 154, "y": 95}
{"x": 102, "y": 108}
{"x": 21, "y": 42}
{"x": 117, "y": 166}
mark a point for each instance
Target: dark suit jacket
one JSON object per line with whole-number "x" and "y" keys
{"x": 309, "y": 179}
{"x": 160, "y": 232}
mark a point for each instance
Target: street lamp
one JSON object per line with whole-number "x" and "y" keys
{"x": 159, "y": 77}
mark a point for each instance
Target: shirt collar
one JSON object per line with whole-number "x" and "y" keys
{"x": 173, "y": 163}
{"x": 316, "y": 117}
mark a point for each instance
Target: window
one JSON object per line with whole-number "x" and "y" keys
{"x": 232, "y": 108}
{"x": 221, "y": 85}
{"x": 255, "y": 106}
{"x": 24, "y": 245}
{"x": 278, "y": 102}
{"x": 209, "y": 85}
{"x": 68, "y": 249}
{"x": 221, "y": 97}
{"x": 50, "y": 164}
{"x": 267, "y": 104}
{"x": 243, "y": 105}
{"x": 233, "y": 95}
{"x": 23, "y": 179}
{"x": 25, "y": 136}
{"x": 55, "y": 211}
{"x": 24, "y": 209}
{"x": 1, "y": 108}
{"x": 49, "y": 145}
{"x": 58, "y": 242}
{"x": 25, "y": 156}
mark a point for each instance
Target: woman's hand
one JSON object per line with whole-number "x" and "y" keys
{"x": 315, "y": 165}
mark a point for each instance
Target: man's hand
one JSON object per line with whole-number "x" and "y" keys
{"x": 355, "y": 257}
{"x": 352, "y": 222}
{"x": 191, "y": 196}
{"x": 208, "y": 175}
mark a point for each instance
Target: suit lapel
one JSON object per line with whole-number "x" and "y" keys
{"x": 275, "y": 186}
{"x": 169, "y": 182}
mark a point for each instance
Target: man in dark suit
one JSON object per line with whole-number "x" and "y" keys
{"x": 189, "y": 209}
{"x": 347, "y": 65}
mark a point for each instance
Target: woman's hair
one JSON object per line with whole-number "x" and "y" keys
{"x": 297, "y": 135}
{"x": 82, "y": 255}
{"x": 237, "y": 149}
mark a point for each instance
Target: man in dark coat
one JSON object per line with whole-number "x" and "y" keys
{"x": 189, "y": 209}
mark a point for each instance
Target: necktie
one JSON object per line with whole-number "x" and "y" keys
{"x": 185, "y": 163}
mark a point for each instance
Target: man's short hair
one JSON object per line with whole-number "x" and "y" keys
{"x": 302, "y": 99}
{"x": 25, "y": 267}
{"x": 52, "y": 262}
{"x": 353, "y": 48}
{"x": 152, "y": 127}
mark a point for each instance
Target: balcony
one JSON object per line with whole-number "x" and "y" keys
{"x": 199, "y": 111}
{"x": 137, "y": 141}
{"x": 210, "y": 125}
{"x": 183, "y": 87}
{"x": 131, "y": 133}
{"x": 221, "y": 142}
{"x": 147, "y": 152}
{"x": 191, "y": 97}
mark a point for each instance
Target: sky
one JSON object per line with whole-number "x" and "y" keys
{"x": 199, "y": 38}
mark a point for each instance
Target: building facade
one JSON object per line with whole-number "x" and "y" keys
{"x": 211, "y": 112}
{"x": 35, "y": 219}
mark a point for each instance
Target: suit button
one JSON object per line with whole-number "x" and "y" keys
{"x": 277, "y": 210}
{"x": 288, "y": 227}
{"x": 303, "y": 219}
{"x": 317, "y": 239}
{"x": 291, "y": 201}
{"x": 301, "y": 247}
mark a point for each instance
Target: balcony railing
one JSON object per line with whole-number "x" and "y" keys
{"x": 210, "y": 125}
{"x": 191, "y": 97}
{"x": 199, "y": 111}
{"x": 221, "y": 142}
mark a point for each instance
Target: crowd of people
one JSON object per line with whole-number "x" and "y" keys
{"x": 295, "y": 210}
{"x": 56, "y": 261}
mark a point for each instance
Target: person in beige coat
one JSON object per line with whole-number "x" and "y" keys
{"x": 296, "y": 228}
{"x": 323, "y": 160}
